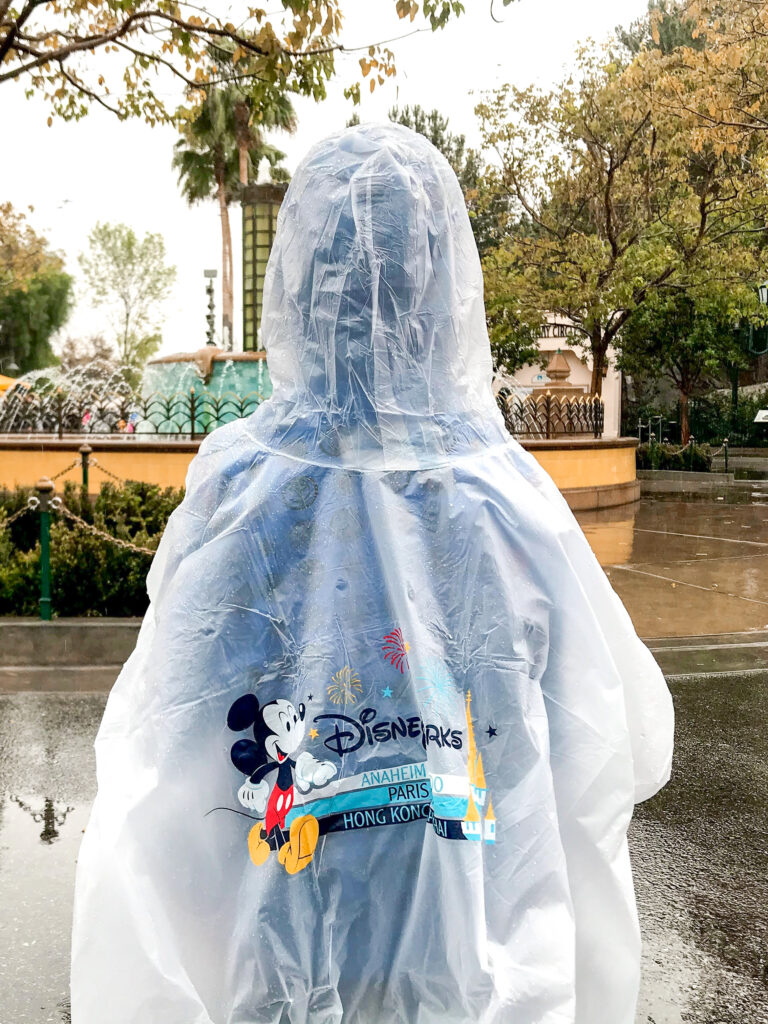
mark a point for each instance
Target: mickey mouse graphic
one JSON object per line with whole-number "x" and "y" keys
{"x": 278, "y": 731}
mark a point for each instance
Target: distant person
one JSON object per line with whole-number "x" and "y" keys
{"x": 375, "y": 754}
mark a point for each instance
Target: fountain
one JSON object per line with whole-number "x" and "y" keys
{"x": 557, "y": 384}
{"x": 185, "y": 395}
{"x": 555, "y": 408}
{"x": 211, "y": 385}
{"x": 86, "y": 399}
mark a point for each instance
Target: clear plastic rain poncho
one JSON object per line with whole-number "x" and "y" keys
{"x": 375, "y": 754}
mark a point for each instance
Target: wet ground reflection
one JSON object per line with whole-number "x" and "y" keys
{"x": 700, "y": 853}
{"x": 47, "y": 784}
{"x": 685, "y": 567}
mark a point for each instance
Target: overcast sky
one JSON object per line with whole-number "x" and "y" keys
{"x": 99, "y": 169}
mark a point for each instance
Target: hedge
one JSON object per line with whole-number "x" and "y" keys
{"x": 697, "y": 457}
{"x": 90, "y": 576}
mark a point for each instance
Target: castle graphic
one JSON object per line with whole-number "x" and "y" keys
{"x": 475, "y": 826}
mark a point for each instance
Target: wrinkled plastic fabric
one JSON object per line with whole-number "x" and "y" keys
{"x": 479, "y": 717}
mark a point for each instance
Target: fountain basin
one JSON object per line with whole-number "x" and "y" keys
{"x": 209, "y": 370}
{"x": 194, "y": 392}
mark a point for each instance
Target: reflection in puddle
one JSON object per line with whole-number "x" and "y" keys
{"x": 685, "y": 567}
{"x": 51, "y": 818}
{"x": 610, "y": 532}
{"x": 36, "y": 879}
{"x": 47, "y": 784}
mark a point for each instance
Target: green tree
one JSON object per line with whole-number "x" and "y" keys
{"x": 35, "y": 293}
{"x": 129, "y": 277}
{"x": 221, "y": 149}
{"x": 58, "y": 49}
{"x": 610, "y": 203}
{"x": 433, "y": 126}
{"x": 685, "y": 341}
{"x": 29, "y": 316}
{"x": 513, "y": 329}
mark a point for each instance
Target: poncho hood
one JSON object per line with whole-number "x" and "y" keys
{"x": 373, "y": 311}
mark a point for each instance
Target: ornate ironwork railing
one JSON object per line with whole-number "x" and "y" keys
{"x": 551, "y": 416}
{"x": 122, "y": 412}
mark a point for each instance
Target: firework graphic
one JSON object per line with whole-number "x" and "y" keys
{"x": 345, "y": 686}
{"x": 396, "y": 649}
{"x": 300, "y": 492}
{"x": 437, "y": 688}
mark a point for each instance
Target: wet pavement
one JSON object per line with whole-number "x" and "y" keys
{"x": 699, "y": 849}
{"x": 47, "y": 784}
{"x": 700, "y": 855}
{"x": 685, "y": 567}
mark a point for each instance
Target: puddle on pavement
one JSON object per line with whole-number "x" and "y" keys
{"x": 701, "y": 863}
{"x": 685, "y": 567}
{"x": 47, "y": 785}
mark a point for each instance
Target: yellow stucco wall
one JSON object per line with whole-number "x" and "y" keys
{"x": 23, "y": 468}
{"x": 576, "y": 467}
{"x": 589, "y": 467}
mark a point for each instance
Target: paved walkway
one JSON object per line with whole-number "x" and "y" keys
{"x": 686, "y": 568}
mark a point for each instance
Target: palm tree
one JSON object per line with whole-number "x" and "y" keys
{"x": 221, "y": 151}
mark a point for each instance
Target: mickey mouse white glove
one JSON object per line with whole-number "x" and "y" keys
{"x": 310, "y": 772}
{"x": 254, "y": 796}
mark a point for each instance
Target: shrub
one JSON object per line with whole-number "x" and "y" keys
{"x": 697, "y": 457}
{"x": 712, "y": 419}
{"x": 90, "y": 575}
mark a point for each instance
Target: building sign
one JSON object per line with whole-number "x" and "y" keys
{"x": 558, "y": 331}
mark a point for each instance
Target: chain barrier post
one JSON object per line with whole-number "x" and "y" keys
{"x": 691, "y": 444}
{"x": 725, "y": 452}
{"x": 45, "y": 489}
{"x": 85, "y": 455}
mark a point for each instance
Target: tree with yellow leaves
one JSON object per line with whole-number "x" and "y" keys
{"x": 716, "y": 81}
{"x": 614, "y": 198}
{"x": 56, "y": 48}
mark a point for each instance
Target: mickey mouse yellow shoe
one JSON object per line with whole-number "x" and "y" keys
{"x": 258, "y": 847}
{"x": 297, "y": 853}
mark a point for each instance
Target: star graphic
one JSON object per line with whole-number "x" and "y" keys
{"x": 313, "y": 734}
{"x": 386, "y": 692}
{"x": 491, "y": 732}
{"x": 309, "y": 698}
